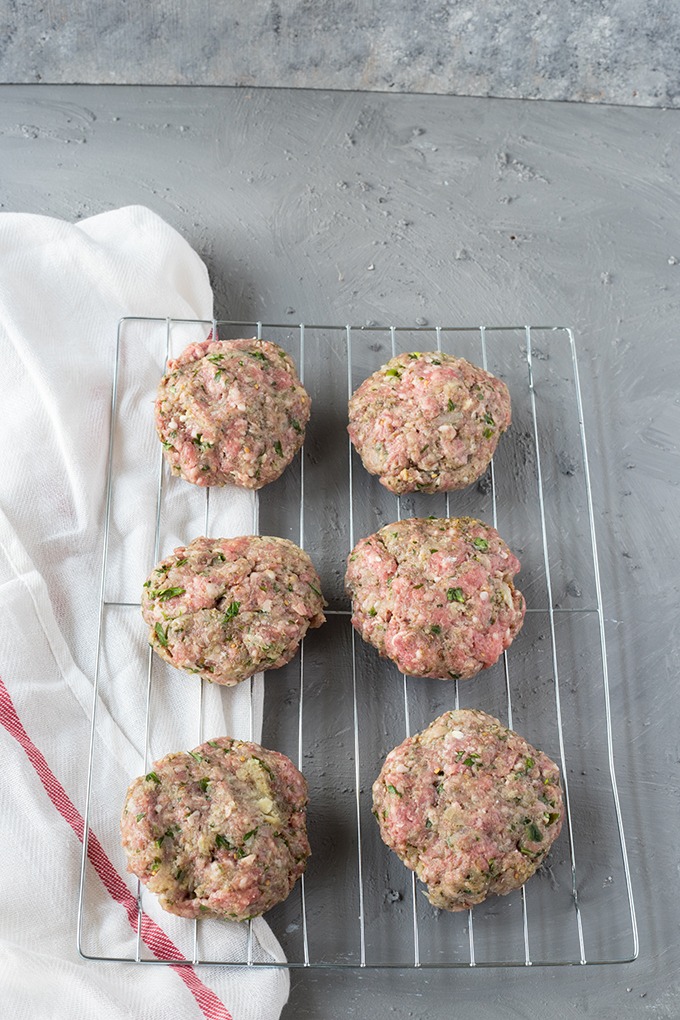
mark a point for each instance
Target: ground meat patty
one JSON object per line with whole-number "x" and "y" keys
{"x": 428, "y": 422}
{"x": 436, "y": 595}
{"x": 470, "y": 806}
{"x": 219, "y": 830}
{"x": 231, "y": 412}
{"x": 228, "y": 607}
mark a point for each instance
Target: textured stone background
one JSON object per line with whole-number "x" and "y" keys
{"x": 319, "y": 207}
{"x": 611, "y": 51}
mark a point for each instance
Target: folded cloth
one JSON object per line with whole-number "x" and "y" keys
{"x": 63, "y": 289}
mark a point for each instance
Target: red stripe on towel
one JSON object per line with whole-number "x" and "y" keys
{"x": 155, "y": 938}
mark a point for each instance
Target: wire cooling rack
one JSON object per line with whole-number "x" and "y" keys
{"x": 337, "y": 709}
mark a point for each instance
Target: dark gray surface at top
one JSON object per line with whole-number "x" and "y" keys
{"x": 611, "y": 51}
{"x": 329, "y": 207}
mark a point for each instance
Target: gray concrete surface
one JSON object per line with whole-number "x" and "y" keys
{"x": 312, "y": 206}
{"x": 613, "y": 51}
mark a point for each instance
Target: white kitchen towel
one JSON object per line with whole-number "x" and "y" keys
{"x": 63, "y": 289}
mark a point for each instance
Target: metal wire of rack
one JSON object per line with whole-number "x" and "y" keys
{"x": 434, "y": 941}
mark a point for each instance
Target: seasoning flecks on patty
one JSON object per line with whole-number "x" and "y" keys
{"x": 225, "y": 608}
{"x": 470, "y": 806}
{"x": 436, "y": 595}
{"x": 218, "y": 831}
{"x": 428, "y": 422}
{"x": 231, "y": 412}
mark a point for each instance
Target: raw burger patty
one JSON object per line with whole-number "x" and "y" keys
{"x": 231, "y": 412}
{"x": 470, "y": 806}
{"x": 219, "y": 830}
{"x": 435, "y": 595}
{"x": 428, "y": 422}
{"x": 228, "y": 607}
